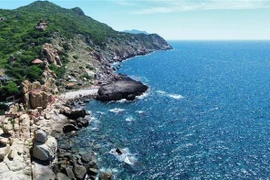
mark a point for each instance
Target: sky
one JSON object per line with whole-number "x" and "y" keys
{"x": 177, "y": 19}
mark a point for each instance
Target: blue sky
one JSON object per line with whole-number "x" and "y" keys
{"x": 177, "y": 19}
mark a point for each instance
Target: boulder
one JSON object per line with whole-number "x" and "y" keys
{"x": 123, "y": 88}
{"x": 45, "y": 151}
{"x": 80, "y": 171}
{"x": 61, "y": 176}
{"x": 4, "y": 151}
{"x": 41, "y": 172}
{"x": 75, "y": 113}
{"x": 92, "y": 171}
{"x": 88, "y": 156}
{"x": 69, "y": 172}
{"x": 105, "y": 175}
{"x": 69, "y": 128}
{"x": 40, "y": 136}
{"x": 83, "y": 122}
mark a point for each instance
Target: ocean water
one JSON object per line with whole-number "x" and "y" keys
{"x": 206, "y": 115}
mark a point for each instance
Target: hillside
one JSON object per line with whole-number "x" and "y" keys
{"x": 66, "y": 45}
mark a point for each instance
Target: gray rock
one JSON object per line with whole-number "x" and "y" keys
{"x": 40, "y": 136}
{"x": 123, "y": 88}
{"x": 46, "y": 151}
{"x": 80, "y": 171}
{"x": 88, "y": 156}
{"x": 75, "y": 113}
{"x": 69, "y": 128}
{"x": 41, "y": 172}
{"x": 70, "y": 173}
{"x": 61, "y": 176}
{"x": 83, "y": 122}
{"x": 92, "y": 171}
{"x": 105, "y": 175}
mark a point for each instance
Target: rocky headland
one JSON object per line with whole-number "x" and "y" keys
{"x": 51, "y": 58}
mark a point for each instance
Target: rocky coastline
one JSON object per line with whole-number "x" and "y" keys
{"x": 35, "y": 135}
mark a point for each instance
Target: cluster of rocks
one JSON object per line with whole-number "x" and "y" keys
{"x": 76, "y": 118}
{"x": 77, "y": 165}
{"x": 41, "y": 26}
{"x": 74, "y": 164}
{"x": 51, "y": 54}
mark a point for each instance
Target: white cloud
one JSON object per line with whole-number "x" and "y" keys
{"x": 185, "y": 5}
{"x": 125, "y": 3}
{"x": 154, "y": 10}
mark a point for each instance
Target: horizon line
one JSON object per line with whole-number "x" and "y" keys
{"x": 217, "y": 39}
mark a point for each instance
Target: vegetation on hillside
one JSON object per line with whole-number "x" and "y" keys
{"x": 21, "y": 43}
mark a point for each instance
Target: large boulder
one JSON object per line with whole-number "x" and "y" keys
{"x": 75, "y": 113}
{"x": 123, "y": 88}
{"x": 69, "y": 128}
{"x": 45, "y": 151}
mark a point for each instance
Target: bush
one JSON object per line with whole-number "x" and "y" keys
{"x": 9, "y": 90}
{"x": 34, "y": 73}
{"x": 59, "y": 71}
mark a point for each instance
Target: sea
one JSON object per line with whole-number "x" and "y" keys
{"x": 206, "y": 115}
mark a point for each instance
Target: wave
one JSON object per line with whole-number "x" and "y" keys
{"x": 140, "y": 112}
{"x": 176, "y": 96}
{"x": 173, "y": 96}
{"x": 117, "y": 110}
{"x": 124, "y": 155}
{"x": 130, "y": 119}
{"x": 144, "y": 95}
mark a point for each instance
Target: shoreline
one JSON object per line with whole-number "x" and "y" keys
{"x": 22, "y": 145}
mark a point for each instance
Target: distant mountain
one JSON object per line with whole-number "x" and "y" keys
{"x": 135, "y": 31}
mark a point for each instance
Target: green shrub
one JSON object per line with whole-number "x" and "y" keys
{"x": 9, "y": 90}
{"x": 34, "y": 73}
{"x": 59, "y": 71}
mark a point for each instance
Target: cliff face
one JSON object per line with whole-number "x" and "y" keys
{"x": 140, "y": 44}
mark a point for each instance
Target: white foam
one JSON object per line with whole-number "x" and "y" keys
{"x": 176, "y": 96}
{"x": 117, "y": 110}
{"x": 100, "y": 112}
{"x": 144, "y": 95}
{"x": 140, "y": 112}
{"x": 130, "y": 119}
{"x": 125, "y": 157}
{"x": 161, "y": 92}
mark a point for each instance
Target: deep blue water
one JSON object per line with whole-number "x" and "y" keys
{"x": 206, "y": 115}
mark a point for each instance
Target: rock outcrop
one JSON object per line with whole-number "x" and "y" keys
{"x": 123, "y": 88}
{"x": 51, "y": 54}
{"x": 37, "y": 95}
